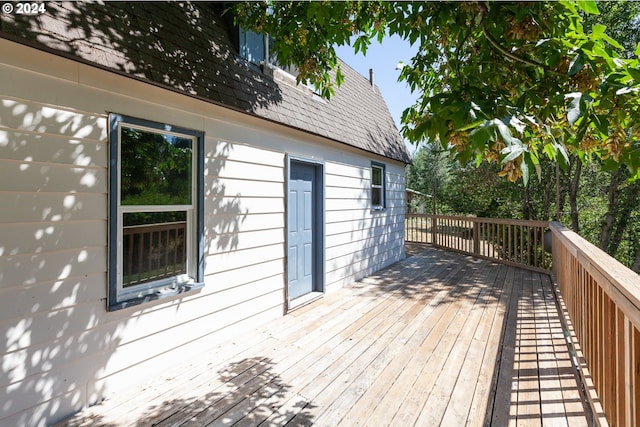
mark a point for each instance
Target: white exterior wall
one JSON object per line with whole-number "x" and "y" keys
{"x": 62, "y": 350}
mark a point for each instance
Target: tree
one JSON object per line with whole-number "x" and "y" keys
{"x": 430, "y": 173}
{"x": 500, "y": 81}
{"x": 478, "y": 190}
{"x": 622, "y": 20}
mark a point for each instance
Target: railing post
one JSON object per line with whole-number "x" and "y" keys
{"x": 434, "y": 230}
{"x": 476, "y": 237}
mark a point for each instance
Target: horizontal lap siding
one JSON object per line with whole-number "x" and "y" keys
{"x": 53, "y": 227}
{"x": 360, "y": 241}
{"x": 62, "y": 349}
{"x": 244, "y": 229}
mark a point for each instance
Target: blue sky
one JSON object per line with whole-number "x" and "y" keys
{"x": 383, "y": 58}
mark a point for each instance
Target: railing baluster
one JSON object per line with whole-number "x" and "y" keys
{"x": 511, "y": 241}
{"x": 521, "y": 245}
{"x": 129, "y": 271}
{"x": 165, "y": 237}
{"x": 148, "y": 258}
{"x": 535, "y": 245}
{"x": 602, "y": 300}
{"x": 175, "y": 248}
{"x": 140, "y": 256}
{"x": 152, "y": 253}
{"x": 528, "y": 245}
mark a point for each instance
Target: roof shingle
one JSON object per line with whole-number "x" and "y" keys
{"x": 189, "y": 47}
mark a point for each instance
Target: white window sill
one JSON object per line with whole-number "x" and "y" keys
{"x": 155, "y": 295}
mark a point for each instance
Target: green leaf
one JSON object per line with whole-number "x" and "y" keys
{"x": 576, "y": 64}
{"x": 514, "y": 151}
{"x": 503, "y": 130}
{"x": 443, "y": 130}
{"x": 626, "y": 90}
{"x": 610, "y": 165}
{"x": 537, "y": 167}
{"x": 524, "y": 168}
{"x": 481, "y": 134}
{"x": 472, "y": 125}
{"x": 589, "y": 6}
{"x": 602, "y": 124}
{"x": 464, "y": 157}
{"x": 361, "y": 44}
{"x": 637, "y": 51}
{"x": 598, "y": 30}
{"x": 634, "y": 73}
{"x": 573, "y": 110}
{"x": 564, "y": 158}
{"x": 518, "y": 124}
{"x": 598, "y": 33}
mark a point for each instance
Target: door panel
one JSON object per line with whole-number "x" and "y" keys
{"x": 301, "y": 264}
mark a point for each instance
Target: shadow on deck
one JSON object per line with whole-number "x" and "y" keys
{"x": 437, "y": 339}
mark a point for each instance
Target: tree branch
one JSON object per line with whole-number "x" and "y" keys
{"x": 496, "y": 45}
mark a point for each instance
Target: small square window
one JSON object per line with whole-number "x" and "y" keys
{"x": 377, "y": 186}
{"x": 155, "y": 220}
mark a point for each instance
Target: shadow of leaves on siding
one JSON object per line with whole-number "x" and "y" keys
{"x": 59, "y": 345}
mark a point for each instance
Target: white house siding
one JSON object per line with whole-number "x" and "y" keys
{"x": 360, "y": 241}
{"x": 62, "y": 350}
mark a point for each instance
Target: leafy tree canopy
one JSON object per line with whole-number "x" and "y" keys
{"x": 499, "y": 81}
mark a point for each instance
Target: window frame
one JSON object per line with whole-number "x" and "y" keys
{"x": 379, "y": 187}
{"x": 245, "y": 51}
{"x": 118, "y": 297}
{"x": 269, "y": 63}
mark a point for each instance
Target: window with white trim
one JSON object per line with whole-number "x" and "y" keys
{"x": 378, "y": 201}
{"x": 155, "y": 212}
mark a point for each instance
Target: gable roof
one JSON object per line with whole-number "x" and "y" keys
{"x": 189, "y": 48}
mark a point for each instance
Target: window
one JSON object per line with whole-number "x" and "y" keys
{"x": 257, "y": 49}
{"x": 155, "y": 212}
{"x": 377, "y": 186}
{"x": 253, "y": 47}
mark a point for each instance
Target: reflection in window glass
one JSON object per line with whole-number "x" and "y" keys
{"x": 154, "y": 246}
{"x": 376, "y": 175}
{"x": 155, "y": 168}
{"x": 252, "y": 46}
{"x": 156, "y": 192}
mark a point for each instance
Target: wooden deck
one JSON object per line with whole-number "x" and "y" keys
{"x": 437, "y": 339}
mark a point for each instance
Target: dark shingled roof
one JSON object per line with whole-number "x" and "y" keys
{"x": 190, "y": 48}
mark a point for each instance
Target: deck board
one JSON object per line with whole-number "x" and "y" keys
{"x": 437, "y": 339}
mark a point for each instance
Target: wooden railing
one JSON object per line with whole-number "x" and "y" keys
{"x": 153, "y": 252}
{"x": 599, "y": 297}
{"x": 602, "y": 299}
{"x": 516, "y": 242}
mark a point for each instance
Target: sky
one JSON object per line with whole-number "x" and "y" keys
{"x": 383, "y": 58}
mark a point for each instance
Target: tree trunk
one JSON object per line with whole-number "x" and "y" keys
{"x": 558, "y": 207}
{"x": 434, "y": 198}
{"x": 526, "y": 204}
{"x": 574, "y": 185}
{"x": 609, "y": 219}
{"x": 565, "y": 183}
{"x": 636, "y": 264}
{"x": 548, "y": 196}
{"x": 627, "y": 203}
